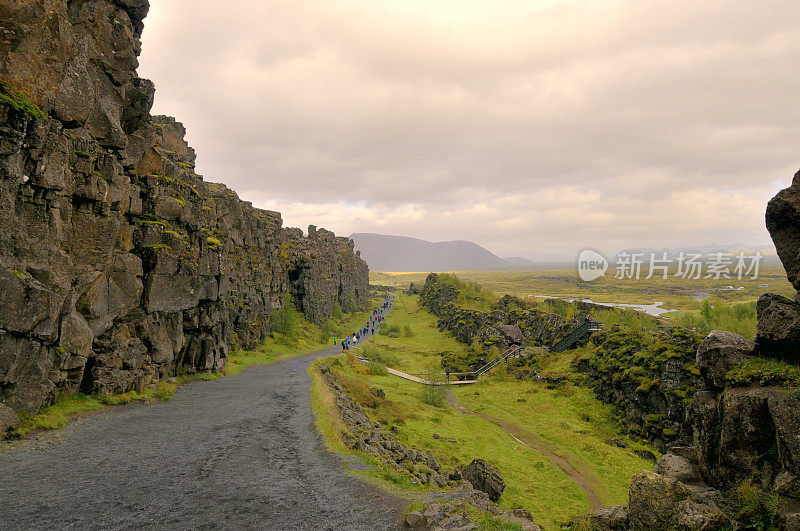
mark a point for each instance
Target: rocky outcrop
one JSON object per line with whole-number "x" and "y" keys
{"x": 119, "y": 264}
{"x": 324, "y": 270}
{"x": 661, "y": 502}
{"x": 736, "y": 464}
{"x": 649, "y": 376}
{"x": 8, "y": 419}
{"x": 510, "y": 322}
{"x": 452, "y": 509}
{"x": 485, "y": 477}
{"x": 718, "y": 353}
{"x": 783, "y": 224}
{"x": 778, "y": 331}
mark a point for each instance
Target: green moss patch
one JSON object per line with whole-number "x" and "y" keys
{"x": 9, "y": 95}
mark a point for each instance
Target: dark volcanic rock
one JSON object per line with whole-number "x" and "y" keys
{"x": 677, "y": 467}
{"x": 119, "y": 264}
{"x": 485, "y": 477}
{"x": 613, "y": 518}
{"x": 783, "y": 224}
{"x": 512, "y": 333}
{"x": 660, "y": 502}
{"x": 8, "y": 419}
{"x": 778, "y": 332}
{"x": 718, "y": 353}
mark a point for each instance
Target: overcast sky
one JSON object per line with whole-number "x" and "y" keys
{"x": 517, "y": 124}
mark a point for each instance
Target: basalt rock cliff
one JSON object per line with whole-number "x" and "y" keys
{"x": 119, "y": 265}
{"x": 736, "y": 463}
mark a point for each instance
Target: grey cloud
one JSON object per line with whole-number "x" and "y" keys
{"x": 423, "y": 112}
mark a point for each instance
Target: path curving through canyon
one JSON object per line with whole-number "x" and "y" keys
{"x": 238, "y": 452}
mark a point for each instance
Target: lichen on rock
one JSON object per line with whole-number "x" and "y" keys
{"x": 119, "y": 264}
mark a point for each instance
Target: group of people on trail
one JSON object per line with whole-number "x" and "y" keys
{"x": 369, "y": 329}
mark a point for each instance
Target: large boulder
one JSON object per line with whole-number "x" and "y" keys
{"x": 778, "y": 332}
{"x": 783, "y": 224}
{"x": 677, "y": 467}
{"x": 718, "y": 353}
{"x": 613, "y": 518}
{"x": 512, "y": 333}
{"x": 660, "y": 502}
{"x": 485, "y": 478}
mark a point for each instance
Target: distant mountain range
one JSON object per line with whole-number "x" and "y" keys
{"x": 536, "y": 256}
{"x": 400, "y": 253}
{"x": 705, "y": 250}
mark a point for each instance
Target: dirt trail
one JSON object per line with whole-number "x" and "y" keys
{"x": 583, "y": 479}
{"x": 240, "y": 452}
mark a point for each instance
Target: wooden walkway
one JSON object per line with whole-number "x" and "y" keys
{"x": 417, "y": 379}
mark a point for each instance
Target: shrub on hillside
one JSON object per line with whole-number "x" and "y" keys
{"x": 378, "y": 369}
{"x": 384, "y": 358}
{"x": 286, "y": 321}
{"x": 433, "y": 395}
{"x": 337, "y": 312}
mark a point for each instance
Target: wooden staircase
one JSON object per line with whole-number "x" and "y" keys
{"x": 587, "y": 327}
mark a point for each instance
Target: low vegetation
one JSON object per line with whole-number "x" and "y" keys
{"x": 738, "y": 318}
{"x": 57, "y": 416}
{"x": 764, "y": 371}
{"x": 566, "y": 419}
{"x": 11, "y": 96}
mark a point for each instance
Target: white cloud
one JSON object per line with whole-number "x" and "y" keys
{"x": 516, "y": 124}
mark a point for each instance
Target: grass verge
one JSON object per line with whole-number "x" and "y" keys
{"x": 305, "y": 338}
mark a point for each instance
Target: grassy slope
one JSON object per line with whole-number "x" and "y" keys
{"x": 306, "y": 339}
{"x": 532, "y": 481}
{"x": 571, "y": 418}
{"x": 418, "y": 354}
{"x": 555, "y": 415}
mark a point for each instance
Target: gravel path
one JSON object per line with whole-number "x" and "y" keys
{"x": 239, "y": 452}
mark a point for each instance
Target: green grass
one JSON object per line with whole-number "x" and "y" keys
{"x": 571, "y": 419}
{"x": 416, "y": 353}
{"x": 676, "y": 293}
{"x": 764, "y": 372}
{"x": 11, "y": 96}
{"x": 57, "y": 416}
{"x": 532, "y": 481}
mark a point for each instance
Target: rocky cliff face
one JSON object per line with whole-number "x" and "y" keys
{"x": 119, "y": 265}
{"x": 736, "y": 464}
{"x": 510, "y": 321}
{"x": 650, "y": 377}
